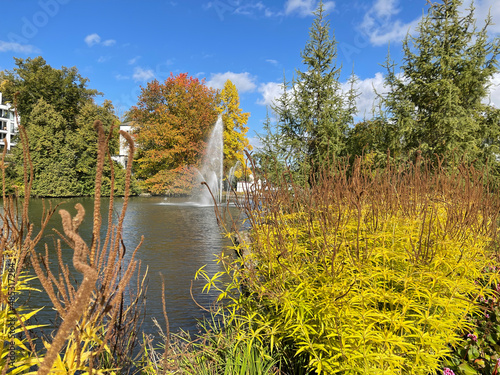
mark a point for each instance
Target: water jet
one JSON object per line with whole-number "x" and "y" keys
{"x": 211, "y": 170}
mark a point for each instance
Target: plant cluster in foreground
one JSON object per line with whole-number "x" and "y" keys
{"x": 367, "y": 271}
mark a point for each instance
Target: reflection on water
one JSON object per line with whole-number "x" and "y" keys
{"x": 179, "y": 238}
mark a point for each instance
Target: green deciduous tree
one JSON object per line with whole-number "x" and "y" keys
{"x": 58, "y": 113}
{"x": 234, "y": 119}
{"x": 172, "y": 121}
{"x": 436, "y": 103}
{"x": 84, "y": 141}
{"x": 52, "y": 156}
{"x": 64, "y": 89}
{"x": 63, "y": 160}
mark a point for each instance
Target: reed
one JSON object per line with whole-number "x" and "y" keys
{"x": 97, "y": 331}
{"x": 97, "y": 304}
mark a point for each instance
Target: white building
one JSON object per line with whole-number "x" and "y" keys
{"x": 123, "y": 153}
{"x": 8, "y": 124}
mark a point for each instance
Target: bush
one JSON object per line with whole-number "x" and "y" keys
{"x": 366, "y": 271}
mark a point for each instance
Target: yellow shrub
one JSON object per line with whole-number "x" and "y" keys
{"x": 372, "y": 273}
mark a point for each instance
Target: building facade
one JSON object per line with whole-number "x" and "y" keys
{"x": 8, "y": 124}
{"x": 122, "y": 157}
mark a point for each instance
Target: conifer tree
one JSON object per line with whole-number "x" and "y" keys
{"x": 314, "y": 113}
{"x": 271, "y": 157}
{"x": 436, "y": 104}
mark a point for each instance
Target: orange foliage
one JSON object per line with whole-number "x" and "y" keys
{"x": 172, "y": 121}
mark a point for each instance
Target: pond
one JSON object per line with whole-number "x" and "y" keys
{"x": 179, "y": 238}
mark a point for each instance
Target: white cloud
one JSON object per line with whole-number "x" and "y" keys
{"x": 270, "y": 92}
{"x": 244, "y": 82}
{"x": 250, "y": 8}
{"x": 245, "y": 8}
{"x": 494, "y": 97}
{"x": 142, "y": 75}
{"x": 121, "y": 77}
{"x": 385, "y": 8}
{"x": 381, "y": 27}
{"x": 268, "y": 13}
{"x": 134, "y": 60}
{"x": 16, "y": 47}
{"x": 306, "y": 7}
{"x": 95, "y": 39}
{"x": 367, "y": 89}
{"x": 271, "y": 61}
{"x": 103, "y": 59}
{"x": 109, "y": 43}
{"x": 92, "y": 39}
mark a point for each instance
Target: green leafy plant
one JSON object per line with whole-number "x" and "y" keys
{"x": 479, "y": 352}
{"x": 220, "y": 348}
{"x": 16, "y": 350}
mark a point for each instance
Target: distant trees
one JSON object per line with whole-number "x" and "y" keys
{"x": 64, "y": 89}
{"x": 172, "y": 121}
{"x": 58, "y": 112}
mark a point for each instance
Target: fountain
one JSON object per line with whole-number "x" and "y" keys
{"x": 230, "y": 179}
{"x": 211, "y": 171}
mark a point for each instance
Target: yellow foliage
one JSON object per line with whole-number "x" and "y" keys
{"x": 377, "y": 306}
{"x": 79, "y": 350}
{"x": 13, "y": 347}
{"x": 235, "y": 131}
{"x": 367, "y": 274}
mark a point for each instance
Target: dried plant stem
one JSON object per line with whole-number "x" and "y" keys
{"x": 167, "y": 336}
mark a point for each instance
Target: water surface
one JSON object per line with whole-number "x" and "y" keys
{"x": 179, "y": 238}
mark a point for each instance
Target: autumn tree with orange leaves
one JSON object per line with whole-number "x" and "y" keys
{"x": 172, "y": 121}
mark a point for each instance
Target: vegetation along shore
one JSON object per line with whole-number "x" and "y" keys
{"x": 358, "y": 246}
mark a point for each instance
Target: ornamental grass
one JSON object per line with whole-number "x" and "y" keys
{"x": 96, "y": 331}
{"x": 365, "y": 271}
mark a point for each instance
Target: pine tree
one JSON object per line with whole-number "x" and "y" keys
{"x": 271, "y": 157}
{"x": 314, "y": 113}
{"x": 436, "y": 103}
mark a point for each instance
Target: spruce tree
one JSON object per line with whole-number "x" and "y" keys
{"x": 313, "y": 113}
{"x": 436, "y": 103}
{"x": 271, "y": 157}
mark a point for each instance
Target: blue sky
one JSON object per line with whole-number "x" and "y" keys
{"x": 120, "y": 45}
